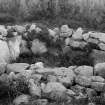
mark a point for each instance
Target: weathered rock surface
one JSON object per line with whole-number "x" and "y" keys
{"x": 17, "y": 67}
{"x": 98, "y": 86}
{"x": 78, "y": 34}
{"x": 83, "y": 81}
{"x": 22, "y": 99}
{"x": 84, "y": 70}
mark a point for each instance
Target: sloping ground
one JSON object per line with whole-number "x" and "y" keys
{"x": 58, "y": 66}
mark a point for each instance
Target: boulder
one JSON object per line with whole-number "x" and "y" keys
{"x": 92, "y": 40}
{"x": 19, "y": 29}
{"x": 38, "y": 47}
{"x": 97, "y": 79}
{"x": 78, "y": 34}
{"x": 98, "y": 86}
{"x": 98, "y": 56}
{"x": 53, "y": 86}
{"x": 32, "y": 27}
{"x": 66, "y": 31}
{"x": 86, "y": 36}
{"x": 34, "y": 89}
{"x": 22, "y": 99}
{"x": 52, "y": 78}
{"x": 65, "y": 75}
{"x": 84, "y": 70}
{"x": 83, "y": 81}
{"x": 75, "y": 43}
{"x": 99, "y": 69}
{"x": 94, "y": 35}
{"x": 17, "y": 67}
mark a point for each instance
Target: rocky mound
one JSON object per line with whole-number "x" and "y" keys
{"x": 54, "y": 66}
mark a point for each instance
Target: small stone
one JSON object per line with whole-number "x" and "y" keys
{"x": 102, "y": 46}
{"x": 78, "y": 34}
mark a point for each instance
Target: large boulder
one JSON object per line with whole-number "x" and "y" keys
{"x": 17, "y": 67}
{"x": 84, "y": 70}
{"x": 65, "y": 75}
{"x": 99, "y": 69}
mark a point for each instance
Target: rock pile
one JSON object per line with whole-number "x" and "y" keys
{"x": 40, "y": 84}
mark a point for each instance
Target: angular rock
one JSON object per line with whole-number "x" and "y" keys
{"x": 98, "y": 56}
{"x": 102, "y": 37}
{"x": 97, "y": 79}
{"x": 94, "y": 41}
{"x": 78, "y": 34}
{"x": 102, "y": 46}
{"x": 83, "y": 81}
{"x": 94, "y": 35}
{"x": 32, "y": 27}
{"x": 66, "y": 31}
{"x": 17, "y": 67}
{"x": 22, "y": 99}
{"x": 34, "y": 89}
{"x": 84, "y": 70}
{"x": 98, "y": 86}
{"x": 75, "y": 43}
{"x": 38, "y": 65}
{"x": 70, "y": 92}
{"x": 86, "y": 36}
{"x": 99, "y": 69}
{"x": 38, "y": 47}
{"x": 65, "y": 75}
